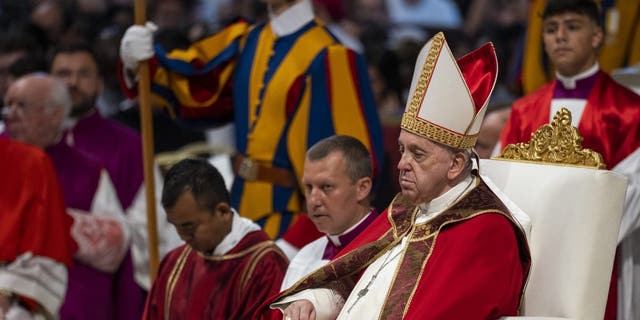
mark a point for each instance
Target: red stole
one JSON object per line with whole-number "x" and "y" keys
{"x": 609, "y": 125}
{"x": 232, "y": 286}
{"x": 444, "y": 273}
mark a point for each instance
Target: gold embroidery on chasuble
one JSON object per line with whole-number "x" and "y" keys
{"x": 347, "y": 268}
{"x": 261, "y": 250}
{"x": 341, "y": 274}
{"x": 257, "y": 251}
{"x": 173, "y": 279}
{"x": 420, "y": 245}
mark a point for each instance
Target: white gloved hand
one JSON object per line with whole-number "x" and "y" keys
{"x": 137, "y": 45}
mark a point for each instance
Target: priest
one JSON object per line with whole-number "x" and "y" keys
{"x": 228, "y": 266}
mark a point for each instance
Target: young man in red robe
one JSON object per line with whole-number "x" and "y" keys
{"x": 606, "y": 114}
{"x": 447, "y": 247}
{"x": 228, "y": 266}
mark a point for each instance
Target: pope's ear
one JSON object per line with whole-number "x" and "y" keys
{"x": 458, "y": 164}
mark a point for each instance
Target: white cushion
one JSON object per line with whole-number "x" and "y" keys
{"x": 575, "y": 215}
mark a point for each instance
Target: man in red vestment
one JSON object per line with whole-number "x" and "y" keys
{"x": 228, "y": 266}
{"x": 447, "y": 247}
{"x": 606, "y": 114}
{"x": 34, "y": 233}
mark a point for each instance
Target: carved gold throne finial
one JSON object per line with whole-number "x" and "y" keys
{"x": 555, "y": 143}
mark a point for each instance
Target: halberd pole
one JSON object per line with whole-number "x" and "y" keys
{"x": 146, "y": 125}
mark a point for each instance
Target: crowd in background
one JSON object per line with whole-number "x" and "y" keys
{"x": 388, "y": 32}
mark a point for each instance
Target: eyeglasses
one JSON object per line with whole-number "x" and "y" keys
{"x": 18, "y": 108}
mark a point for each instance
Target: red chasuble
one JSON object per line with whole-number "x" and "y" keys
{"x": 609, "y": 123}
{"x": 470, "y": 262}
{"x": 32, "y": 212}
{"x": 232, "y": 286}
{"x": 33, "y": 218}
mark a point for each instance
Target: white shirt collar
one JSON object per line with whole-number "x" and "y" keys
{"x": 292, "y": 19}
{"x": 240, "y": 226}
{"x": 441, "y": 203}
{"x": 570, "y": 82}
{"x": 335, "y": 239}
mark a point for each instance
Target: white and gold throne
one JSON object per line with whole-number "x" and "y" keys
{"x": 575, "y": 209}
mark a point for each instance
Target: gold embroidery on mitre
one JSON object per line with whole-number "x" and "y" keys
{"x": 410, "y": 121}
{"x": 556, "y": 143}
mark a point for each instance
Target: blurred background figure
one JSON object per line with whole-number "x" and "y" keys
{"x": 99, "y": 228}
{"x": 34, "y": 234}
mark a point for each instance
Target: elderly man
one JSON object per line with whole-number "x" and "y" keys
{"x": 99, "y": 226}
{"x": 337, "y": 182}
{"x": 447, "y": 247}
{"x": 227, "y": 267}
{"x": 118, "y": 149}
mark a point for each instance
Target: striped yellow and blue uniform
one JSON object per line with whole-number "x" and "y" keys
{"x": 285, "y": 93}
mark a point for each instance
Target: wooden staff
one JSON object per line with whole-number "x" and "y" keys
{"x": 146, "y": 124}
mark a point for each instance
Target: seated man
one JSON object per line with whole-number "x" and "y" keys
{"x": 337, "y": 181}
{"x": 447, "y": 248}
{"x": 227, "y": 267}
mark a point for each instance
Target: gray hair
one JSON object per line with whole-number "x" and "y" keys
{"x": 467, "y": 153}
{"x": 59, "y": 97}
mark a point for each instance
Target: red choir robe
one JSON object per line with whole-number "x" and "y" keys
{"x": 609, "y": 122}
{"x": 470, "y": 262}
{"x": 33, "y": 215}
{"x": 231, "y": 286}
{"x": 609, "y": 125}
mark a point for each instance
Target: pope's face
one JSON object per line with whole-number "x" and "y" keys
{"x": 424, "y": 168}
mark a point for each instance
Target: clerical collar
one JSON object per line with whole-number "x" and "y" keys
{"x": 240, "y": 226}
{"x": 292, "y": 19}
{"x": 441, "y": 203}
{"x": 344, "y": 238}
{"x": 573, "y": 82}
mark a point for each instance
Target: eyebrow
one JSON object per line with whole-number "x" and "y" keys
{"x": 555, "y": 20}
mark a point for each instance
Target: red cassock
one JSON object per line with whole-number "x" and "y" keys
{"x": 464, "y": 264}
{"x": 32, "y": 211}
{"x": 231, "y": 286}
{"x": 33, "y": 218}
{"x": 609, "y": 122}
{"x": 609, "y": 125}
